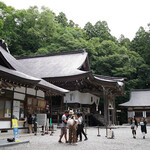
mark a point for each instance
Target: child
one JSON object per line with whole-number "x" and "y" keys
{"x": 110, "y": 134}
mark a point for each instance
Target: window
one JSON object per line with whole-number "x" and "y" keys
{"x": 21, "y": 112}
{"x": 148, "y": 114}
{"x": 139, "y": 114}
{"x": 35, "y": 105}
{"x": 6, "y": 93}
{"x": 71, "y": 97}
{"x": 5, "y": 109}
{"x": 2, "y": 104}
{"x": 91, "y": 99}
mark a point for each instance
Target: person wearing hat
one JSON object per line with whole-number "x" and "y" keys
{"x": 72, "y": 124}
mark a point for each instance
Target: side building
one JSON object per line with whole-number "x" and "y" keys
{"x": 138, "y": 105}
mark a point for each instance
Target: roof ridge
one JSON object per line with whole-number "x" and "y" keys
{"x": 53, "y": 54}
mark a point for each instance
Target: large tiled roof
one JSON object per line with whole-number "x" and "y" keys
{"x": 58, "y": 65}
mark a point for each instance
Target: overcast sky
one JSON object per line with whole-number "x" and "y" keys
{"x": 123, "y": 16}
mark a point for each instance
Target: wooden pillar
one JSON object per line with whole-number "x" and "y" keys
{"x": 62, "y": 102}
{"x": 58, "y": 118}
{"x": 51, "y": 111}
{"x": 80, "y": 107}
{"x": 114, "y": 112}
{"x": 105, "y": 97}
{"x": 109, "y": 110}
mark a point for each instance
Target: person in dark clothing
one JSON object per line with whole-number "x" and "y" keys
{"x": 30, "y": 120}
{"x": 35, "y": 124}
{"x": 134, "y": 126}
{"x": 143, "y": 127}
{"x": 80, "y": 128}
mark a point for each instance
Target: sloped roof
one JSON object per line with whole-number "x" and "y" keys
{"x": 9, "y": 73}
{"x": 58, "y": 65}
{"x": 138, "y": 98}
{"x": 16, "y": 69}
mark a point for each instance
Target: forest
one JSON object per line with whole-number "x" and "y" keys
{"x": 37, "y": 31}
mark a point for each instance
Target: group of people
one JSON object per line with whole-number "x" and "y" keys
{"x": 32, "y": 120}
{"x": 134, "y": 126}
{"x": 75, "y": 124}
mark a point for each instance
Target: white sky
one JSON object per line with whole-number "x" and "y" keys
{"x": 123, "y": 16}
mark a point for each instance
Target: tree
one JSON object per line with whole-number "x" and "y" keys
{"x": 89, "y": 29}
{"x": 5, "y": 14}
{"x": 62, "y": 19}
{"x": 28, "y": 30}
{"x": 124, "y": 41}
{"x": 100, "y": 30}
{"x": 141, "y": 44}
{"x": 71, "y": 23}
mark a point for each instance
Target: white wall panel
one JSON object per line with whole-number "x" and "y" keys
{"x": 31, "y": 91}
{"x": 82, "y": 98}
{"x": 21, "y": 90}
{"x": 40, "y": 93}
{"x": 19, "y": 96}
{"x": 4, "y": 124}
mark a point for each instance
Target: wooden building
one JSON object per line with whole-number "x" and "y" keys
{"x": 71, "y": 70}
{"x": 139, "y": 104}
{"x": 21, "y": 92}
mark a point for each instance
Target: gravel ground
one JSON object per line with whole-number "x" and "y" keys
{"x": 123, "y": 141}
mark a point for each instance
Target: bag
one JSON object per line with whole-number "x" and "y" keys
{"x": 132, "y": 127}
{"x": 70, "y": 122}
{"x": 11, "y": 139}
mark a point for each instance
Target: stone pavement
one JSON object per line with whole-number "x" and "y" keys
{"x": 4, "y": 143}
{"x": 123, "y": 141}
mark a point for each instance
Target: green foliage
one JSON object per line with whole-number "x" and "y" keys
{"x": 42, "y": 51}
{"x": 141, "y": 44}
{"x": 62, "y": 19}
{"x": 124, "y": 41}
{"x": 100, "y": 30}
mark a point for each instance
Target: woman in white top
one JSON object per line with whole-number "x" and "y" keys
{"x": 143, "y": 127}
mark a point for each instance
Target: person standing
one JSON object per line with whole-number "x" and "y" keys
{"x": 72, "y": 124}
{"x": 134, "y": 126}
{"x": 143, "y": 127}
{"x": 64, "y": 127}
{"x": 35, "y": 124}
{"x": 80, "y": 128}
{"x": 30, "y": 120}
